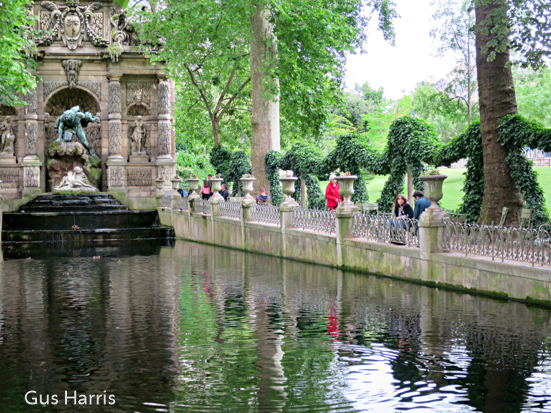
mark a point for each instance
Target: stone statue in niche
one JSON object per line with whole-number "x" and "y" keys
{"x": 138, "y": 135}
{"x": 8, "y": 137}
{"x": 75, "y": 181}
{"x": 72, "y": 123}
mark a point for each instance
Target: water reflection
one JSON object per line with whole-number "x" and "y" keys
{"x": 194, "y": 328}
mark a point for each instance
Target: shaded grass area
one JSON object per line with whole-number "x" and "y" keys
{"x": 453, "y": 186}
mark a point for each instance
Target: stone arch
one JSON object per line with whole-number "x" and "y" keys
{"x": 7, "y": 111}
{"x": 63, "y": 99}
{"x": 137, "y": 109}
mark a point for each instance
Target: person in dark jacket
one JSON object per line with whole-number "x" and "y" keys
{"x": 224, "y": 192}
{"x": 263, "y": 198}
{"x": 402, "y": 208}
{"x": 421, "y": 203}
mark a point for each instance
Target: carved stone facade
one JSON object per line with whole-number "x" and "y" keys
{"x": 72, "y": 69}
{"x": 76, "y": 69}
{"x": 139, "y": 177}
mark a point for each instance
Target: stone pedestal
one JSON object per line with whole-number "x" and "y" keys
{"x": 7, "y": 159}
{"x": 166, "y": 169}
{"x": 31, "y": 175}
{"x": 116, "y": 176}
{"x": 139, "y": 157}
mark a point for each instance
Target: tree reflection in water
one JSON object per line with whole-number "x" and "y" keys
{"x": 194, "y": 328}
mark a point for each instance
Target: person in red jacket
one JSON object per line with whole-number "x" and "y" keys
{"x": 332, "y": 193}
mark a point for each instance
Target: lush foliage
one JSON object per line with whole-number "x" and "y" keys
{"x": 273, "y": 158}
{"x": 533, "y": 93}
{"x": 15, "y": 37}
{"x": 467, "y": 144}
{"x": 231, "y": 166}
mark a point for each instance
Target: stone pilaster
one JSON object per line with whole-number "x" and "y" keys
{"x": 31, "y": 161}
{"x": 115, "y": 124}
{"x": 116, "y": 171}
{"x": 166, "y": 166}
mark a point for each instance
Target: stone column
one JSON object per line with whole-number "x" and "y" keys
{"x": 116, "y": 173}
{"x": 31, "y": 161}
{"x": 344, "y": 212}
{"x": 431, "y": 222}
{"x": 166, "y": 166}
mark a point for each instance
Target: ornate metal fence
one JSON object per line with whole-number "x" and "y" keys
{"x": 265, "y": 213}
{"x": 203, "y": 206}
{"x": 382, "y": 229}
{"x": 230, "y": 209}
{"x": 517, "y": 244}
{"x": 315, "y": 220}
{"x": 183, "y": 203}
{"x": 166, "y": 201}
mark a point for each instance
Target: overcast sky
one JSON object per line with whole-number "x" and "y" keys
{"x": 409, "y": 62}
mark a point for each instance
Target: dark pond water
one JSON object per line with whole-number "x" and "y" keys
{"x": 193, "y": 328}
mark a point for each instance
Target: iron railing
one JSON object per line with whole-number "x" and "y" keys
{"x": 166, "y": 201}
{"x": 380, "y": 228}
{"x": 183, "y": 203}
{"x": 315, "y": 220}
{"x": 265, "y": 213}
{"x": 203, "y": 206}
{"x": 502, "y": 243}
{"x": 230, "y": 209}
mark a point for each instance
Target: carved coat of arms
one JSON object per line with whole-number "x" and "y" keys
{"x": 71, "y": 22}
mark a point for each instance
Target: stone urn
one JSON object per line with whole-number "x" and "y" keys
{"x": 193, "y": 182}
{"x": 159, "y": 183}
{"x": 175, "y": 183}
{"x": 346, "y": 189}
{"x": 288, "y": 187}
{"x": 216, "y": 188}
{"x": 248, "y": 187}
{"x": 433, "y": 188}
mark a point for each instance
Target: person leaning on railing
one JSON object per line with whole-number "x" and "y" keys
{"x": 402, "y": 208}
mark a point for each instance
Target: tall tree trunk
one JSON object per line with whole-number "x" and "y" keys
{"x": 497, "y": 99}
{"x": 265, "y": 108}
{"x": 215, "y": 122}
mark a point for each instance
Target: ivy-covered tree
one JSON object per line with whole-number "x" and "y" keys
{"x": 16, "y": 49}
{"x": 500, "y": 26}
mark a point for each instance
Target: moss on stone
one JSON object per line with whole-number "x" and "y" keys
{"x": 96, "y": 175}
{"x": 54, "y": 147}
{"x": 94, "y": 161}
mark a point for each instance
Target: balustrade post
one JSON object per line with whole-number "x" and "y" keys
{"x": 431, "y": 222}
{"x": 248, "y": 201}
{"x": 286, "y": 208}
{"x": 159, "y": 194}
{"x": 344, "y": 212}
{"x": 216, "y": 198}
{"x": 175, "y": 194}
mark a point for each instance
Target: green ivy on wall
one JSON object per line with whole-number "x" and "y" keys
{"x": 231, "y": 166}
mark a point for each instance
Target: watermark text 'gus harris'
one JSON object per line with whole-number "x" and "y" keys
{"x": 70, "y": 398}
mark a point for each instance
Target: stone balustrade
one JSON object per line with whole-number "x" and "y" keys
{"x": 428, "y": 250}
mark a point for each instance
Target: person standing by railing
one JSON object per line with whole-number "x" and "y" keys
{"x": 332, "y": 194}
{"x": 224, "y": 192}
{"x": 205, "y": 190}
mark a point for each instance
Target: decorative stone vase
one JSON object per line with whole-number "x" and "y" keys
{"x": 346, "y": 189}
{"x": 288, "y": 186}
{"x": 216, "y": 188}
{"x": 175, "y": 183}
{"x": 216, "y": 184}
{"x": 159, "y": 183}
{"x": 433, "y": 188}
{"x": 193, "y": 182}
{"x": 248, "y": 187}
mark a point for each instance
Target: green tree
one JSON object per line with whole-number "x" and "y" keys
{"x": 455, "y": 30}
{"x": 533, "y": 91}
{"x": 500, "y": 26}
{"x": 449, "y": 116}
{"x": 16, "y": 67}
